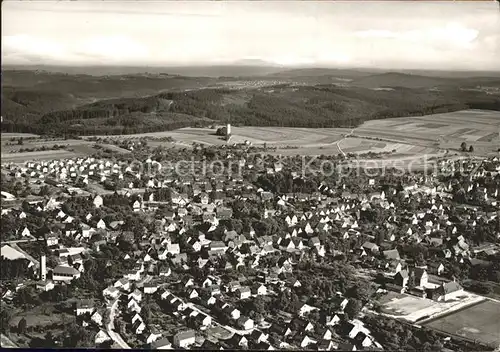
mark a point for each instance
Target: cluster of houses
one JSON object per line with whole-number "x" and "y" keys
{"x": 205, "y": 201}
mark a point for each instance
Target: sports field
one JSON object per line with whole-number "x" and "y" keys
{"x": 478, "y": 322}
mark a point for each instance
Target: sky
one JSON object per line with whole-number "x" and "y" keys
{"x": 414, "y": 34}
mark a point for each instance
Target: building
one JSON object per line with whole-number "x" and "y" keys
{"x": 184, "y": 339}
{"x": 64, "y": 273}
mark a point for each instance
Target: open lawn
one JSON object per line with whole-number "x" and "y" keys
{"x": 479, "y": 322}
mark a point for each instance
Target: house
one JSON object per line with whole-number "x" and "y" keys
{"x": 391, "y": 254}
{"x": 150, "y": 288}
{"x": 239, "y": 341}
{"x": 401, "y": 278}
{"x": 83, "y": 307}
{"x": 97, "y": 318}
{"x": 325, "y": 345}
{"x": 349, "y": 329}
{"x": 184, "y": 339}
{"x": 330, "y": 320}
{"x": 370, "y": 247}
{"x": 203, "y": 320}
{"x": 133, "y": 306}
{"x": 363, "y": 340}
{"x": 436, "y": 268}
{"x": 281, "y": 330}
{"x": 420, "y": 277}
{"x": 231, "y": 312}
{"x": 346, "y": 347}
{"x": 259, "y": 289}
{"x": 136, "y": 295}
{"x": 161, "y": 344}
{"x": 245, "y": 323}
{"x": 324, "y": 333}
{"x": 258, "y": 336}
{"x": 300, "y": 324}
{"x": 64, "y": 273}
{"x": 45, "y": 285}
{"x": 98, "y": 201}
{"x": 101, "y": 337}
{"x": 243, "y": 292}
{"x": 304, "y": 340}
{"x": 123, "y": 283}
{"x": 138, "y": 327}
{"x": 449, "y": 290}
{"x": 306, "y": 309}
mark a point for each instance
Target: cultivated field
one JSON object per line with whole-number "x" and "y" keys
{"x": 475, "y": 127}
{"x": 68, "y": 148}
{"x": 400, "y": 139}
{"x": 41, "y": 155}
{"x": 478, "y": 322}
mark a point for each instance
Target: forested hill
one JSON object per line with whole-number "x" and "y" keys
{"x": 64, "y": 104}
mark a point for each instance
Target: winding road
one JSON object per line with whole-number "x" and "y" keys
{"x": 115, "y": 336}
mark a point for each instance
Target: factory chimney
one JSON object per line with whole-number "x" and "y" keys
{"x": 43, "y": 268}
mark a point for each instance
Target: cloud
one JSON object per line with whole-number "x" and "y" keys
{"x": 105, "y": 49}
{"x": 452, "y": 33}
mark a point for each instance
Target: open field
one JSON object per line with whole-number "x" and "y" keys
{"x": 413, "y": 309}
{"x": 408, "y": 136}
{"x": 8, "y": 135}
{"x": 478, "y": 322}
{"x": 42, "y": 155}
{"x": 470, "y": 126}
{"x": 405, "y": 139}
{"x": 11, "y": 151}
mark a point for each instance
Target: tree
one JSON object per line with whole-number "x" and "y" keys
{"x": 463, "y": 146}
{"x": 21, "y": 326}
{"x": 353, "y": 308}
{"x": 471, "y": 149}
{"x": 5, "y": 316}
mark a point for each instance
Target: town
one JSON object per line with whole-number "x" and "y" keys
{"x": 153, "y": 249}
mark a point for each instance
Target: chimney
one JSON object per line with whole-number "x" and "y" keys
{"x": 43, "y": 268}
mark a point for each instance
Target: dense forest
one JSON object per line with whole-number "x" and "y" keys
{"x": 48, "y": 111}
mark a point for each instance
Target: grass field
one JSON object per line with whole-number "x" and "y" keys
{"x": 480, "y": 322}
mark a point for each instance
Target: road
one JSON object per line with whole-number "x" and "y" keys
{"x": 5, "y": 342}
{"x": 116, "y": 337}
{"x": 31, "y": 239}
{"x": 111, "y": 327}
{"x": 346, "y": 136}
{"x": 29, "y": 257}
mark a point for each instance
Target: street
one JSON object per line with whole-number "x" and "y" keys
{"x": 111, "y": 327}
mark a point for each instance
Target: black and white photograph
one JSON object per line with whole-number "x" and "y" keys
{"x": 250, "y": 175}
